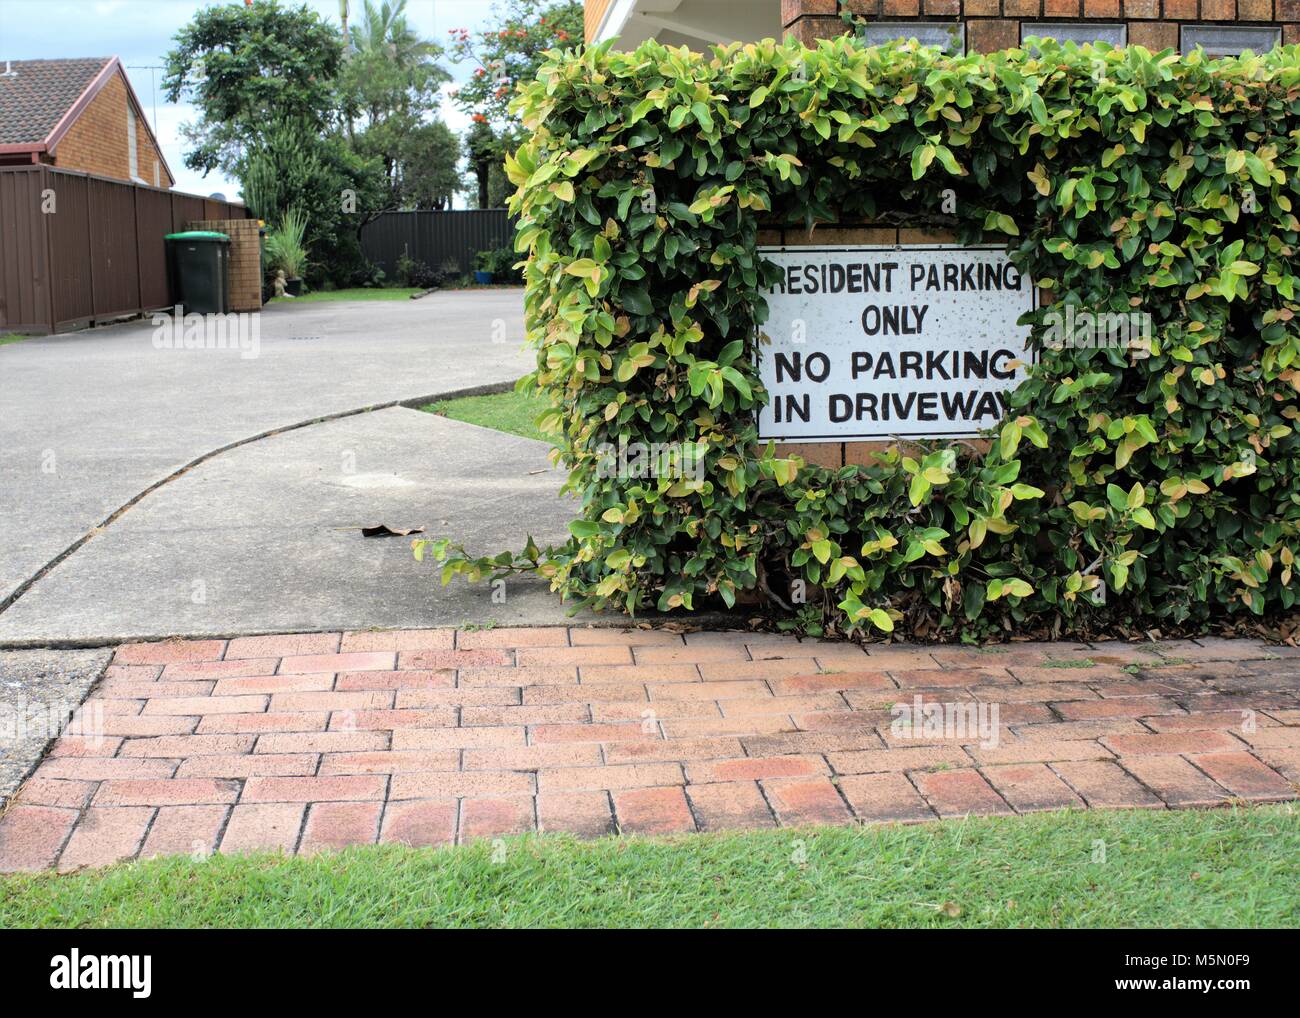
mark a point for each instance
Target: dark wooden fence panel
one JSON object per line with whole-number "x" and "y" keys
{"x": 24, "y": 251}
{"x": 71, "y": 282}
{"x": 98, "y": 256}
{"x": 153, "y": 216}
{"x": 186, "y": 208}
{"x": 435, "y": 238}
{"x": 115, "y": 265}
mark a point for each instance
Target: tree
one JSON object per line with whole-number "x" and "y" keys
{"x": 384, "y": 30}
{"x": 505, "y": 56}
{"x": 390, "y": 83}
{"x": 512, "y": 52}
{"x": 482, "y": 150}
{"x": 429, "y": 177}
{"x": 288, "y": 166}
{"x": 244, "y": 66}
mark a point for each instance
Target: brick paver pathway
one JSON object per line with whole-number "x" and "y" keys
{"x": 317, "y": 741}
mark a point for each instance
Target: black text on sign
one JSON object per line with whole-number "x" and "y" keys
{"x": 871, "y": 343}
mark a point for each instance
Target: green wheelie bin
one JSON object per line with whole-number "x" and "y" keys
{"x": 199, "y": 263}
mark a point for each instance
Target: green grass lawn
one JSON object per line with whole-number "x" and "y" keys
{"x": 1228, "y": 867}
{"x": 354, "y": 293}
{"x": 384, "y": 292}
{"x": 11, "y": 337}
{"x": 511, "y": 412}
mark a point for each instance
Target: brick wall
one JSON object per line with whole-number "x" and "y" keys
{"x": 995, "y": 24}
{"x": 245, "y": 259}
{"x": 97, "y": 140}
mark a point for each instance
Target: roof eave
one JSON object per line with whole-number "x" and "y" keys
{"x": 612, "y": 20}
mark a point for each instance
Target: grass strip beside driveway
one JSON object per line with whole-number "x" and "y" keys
{"x": 1187, "y": 868}
{"x": 511, "y": 412}
{"x": 353, "y": 293}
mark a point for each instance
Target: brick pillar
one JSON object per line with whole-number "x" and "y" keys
{"x": 245, "y": 259}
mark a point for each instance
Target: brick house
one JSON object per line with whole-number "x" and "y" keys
{"x": 1221, "y": 27}
{"x": 78, "y": 114}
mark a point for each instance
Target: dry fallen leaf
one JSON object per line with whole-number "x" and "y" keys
{"x": 384, "y": 530}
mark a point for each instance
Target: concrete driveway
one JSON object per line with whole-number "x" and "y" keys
{"x": 263, "y": 536}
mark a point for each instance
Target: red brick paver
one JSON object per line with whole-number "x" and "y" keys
{"x": 884, "y": 798}
{"x": 333, "y": 825}
{"x": 310, "y": 742}
{"x": 588, "y": 814}
{"x": 263, "y": 826}
{"x": 105, "y": 835}
{"x": 653, "y": 811}
{"x": 730, "y": 804}
{"x": 960, "y": 793}
{"x": 185, "y": 830}
{"x": 420, "y": 822}
{"x": 31, "y": 837}
{"x": 496, "y": 816}
{"x": 1030, "y": 787}
{"x": 799, "y": 801}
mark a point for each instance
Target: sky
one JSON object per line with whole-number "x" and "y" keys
{"x": 140, "y": 33}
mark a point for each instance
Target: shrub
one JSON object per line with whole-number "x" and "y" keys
{"x": 500, "y": 262}
{"x": 412, "y": 272}
{"x": 291, "y": 165}
{"x": 284, "y": 245}
{"x": 365, "y": 274}
{"x": 427, "y": 278}
{"x": 406, "y": 266}
{"x": 1116, "y": 178}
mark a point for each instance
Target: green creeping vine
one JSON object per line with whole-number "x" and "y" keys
{"x": 1120, "y": 180}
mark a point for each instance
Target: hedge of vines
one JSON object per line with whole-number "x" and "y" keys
{"x": 1118, "y": 179}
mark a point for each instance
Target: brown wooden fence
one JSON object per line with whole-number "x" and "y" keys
{"x": 77, "y": 249}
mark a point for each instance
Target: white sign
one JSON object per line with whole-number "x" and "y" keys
{"x": 891, "y": 342}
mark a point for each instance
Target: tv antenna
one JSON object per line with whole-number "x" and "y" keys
{"x": 153, "y": 87}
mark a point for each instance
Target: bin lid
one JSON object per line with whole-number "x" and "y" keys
{"x": 197, "y": 235}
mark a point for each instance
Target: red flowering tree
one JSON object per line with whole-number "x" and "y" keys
{"x": 502, "y": 57}
{"x": 511, "y": 51}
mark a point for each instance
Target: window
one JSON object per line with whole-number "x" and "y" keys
{"x": 1228, "y": 40}
{"x": 947, "y": 36}
{"x": 130, "y": 143}
{"x": 1061, "y": 31}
